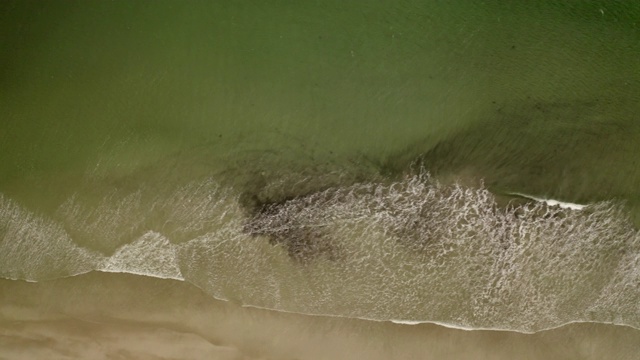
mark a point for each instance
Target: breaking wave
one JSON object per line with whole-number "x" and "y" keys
{"x": 413, "y": 250}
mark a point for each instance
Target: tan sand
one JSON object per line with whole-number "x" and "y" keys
{"x": 120, "y": 316}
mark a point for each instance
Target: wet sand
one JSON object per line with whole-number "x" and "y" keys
{"x": 122, "y": 316}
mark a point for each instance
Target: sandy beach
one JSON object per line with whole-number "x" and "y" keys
{"x": 121, "y": 316}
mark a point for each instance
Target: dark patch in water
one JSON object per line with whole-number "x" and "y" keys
{"x": 302, "y": 242}
{"x": 270, "y": 186}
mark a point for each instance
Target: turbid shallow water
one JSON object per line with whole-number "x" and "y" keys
{"x": 95, "y": 316}
{"x": 361, "y": 163}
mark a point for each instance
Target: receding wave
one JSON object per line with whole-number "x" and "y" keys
{"x": 413, "y": 250}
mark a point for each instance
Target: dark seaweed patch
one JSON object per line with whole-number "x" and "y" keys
{"x": 303, "y": 242}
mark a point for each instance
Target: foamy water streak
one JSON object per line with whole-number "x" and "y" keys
{"x": 150, "y": 255}
{"x": 455, "y": 252}
{"x": 414, "y": 249}
{"x": 33, "y": 247}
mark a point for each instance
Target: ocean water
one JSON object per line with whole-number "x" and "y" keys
{"x": 314, "y": 180}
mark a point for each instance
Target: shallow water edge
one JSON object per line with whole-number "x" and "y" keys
{"x": 128, "y": 316}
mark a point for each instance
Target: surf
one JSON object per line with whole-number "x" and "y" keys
{"x": 414, "y": 249}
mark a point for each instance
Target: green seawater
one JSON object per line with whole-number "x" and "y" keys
{"x": 354, "y": 159}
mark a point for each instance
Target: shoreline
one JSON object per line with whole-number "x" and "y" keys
{"x": 330, "y": 316}
{"x": 107, "y": 314}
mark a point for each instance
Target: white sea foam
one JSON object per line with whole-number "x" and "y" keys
{"x": 33, "y": 247}
{"x": 406, "y": 322}
{"x": 417, "y": 249}
{"x": 151, "y": 255}
{"x": 410, "y": 252}
{"x": 552, "y": 202}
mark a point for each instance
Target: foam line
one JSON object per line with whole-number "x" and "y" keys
{"x": 551, "y": 202}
